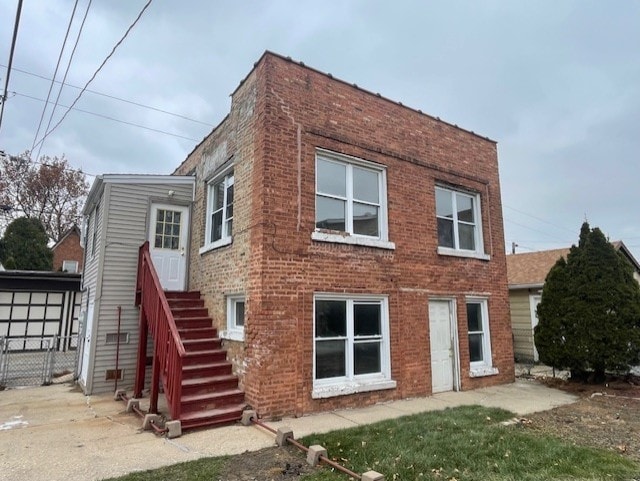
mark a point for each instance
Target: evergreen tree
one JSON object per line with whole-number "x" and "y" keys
{"x": 589, "y": 314}
{"x": 24, "y": 246}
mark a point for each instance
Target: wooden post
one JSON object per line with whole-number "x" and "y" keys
{"x": 155, "y": 379}
{"x": 142, "y": 354}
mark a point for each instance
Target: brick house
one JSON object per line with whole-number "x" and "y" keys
{"x": 68, "y": 254}
{"x": 350, "y": 249}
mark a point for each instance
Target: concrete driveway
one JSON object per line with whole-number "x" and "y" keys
{"x": 57, "y": 433}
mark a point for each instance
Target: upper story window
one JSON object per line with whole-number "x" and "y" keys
{"x": 351, "y": 199}
{"x": 219, "y": 225}
{"x": 459, "y": 223}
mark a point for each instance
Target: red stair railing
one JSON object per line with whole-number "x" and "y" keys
{"x": 168, "y": 352}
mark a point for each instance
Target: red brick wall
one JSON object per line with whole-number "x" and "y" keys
{"x": 68, "y": 250}
{"x": 298, "y": 110}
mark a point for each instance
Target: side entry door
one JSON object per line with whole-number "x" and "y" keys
{"x": 168, "y": 236}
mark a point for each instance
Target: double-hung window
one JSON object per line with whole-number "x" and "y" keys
{"x": 459, "y": 222}
{"x": 219, "y": 225}
{"x": 479, "y": 338}
{"x": 350, "y": 199}
{"x": 351, "y": 345}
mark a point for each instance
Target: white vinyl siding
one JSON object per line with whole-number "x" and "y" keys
{"x": 111, "y": 275}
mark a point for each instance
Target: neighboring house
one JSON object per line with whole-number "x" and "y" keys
{"x": 37, "y": 305}
{"x": 120, "y": 210}
{"x": 527, "y": 273}
{"x": 349, "y": 249}
{"x": 67, "y": 252}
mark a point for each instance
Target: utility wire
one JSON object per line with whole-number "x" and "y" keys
{"x": 110, "y": 118}
{"x": 55, "y": 73}
{"x": 538, "y": 219}
{"x": 16, "y": 24}
{"x": 66, "y": 72}
{"x": 96, "y": 72}
{"x": 113, "y": 97}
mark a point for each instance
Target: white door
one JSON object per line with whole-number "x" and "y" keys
{"x": 168, "y": 234}
{"x": 533, "y": 304}
{"x": 441, "y": 346}
{"x": 86, "y": 347}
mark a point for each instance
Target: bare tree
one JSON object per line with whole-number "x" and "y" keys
{"x": 49, "y": 190}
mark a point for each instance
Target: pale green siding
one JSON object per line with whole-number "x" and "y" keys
{"x": 521, "y": 324}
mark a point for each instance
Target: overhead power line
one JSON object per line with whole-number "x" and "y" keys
{"x": 113, "y": 97}
{"x": 113, "y": 119}
{"x": 55, "y": 73}
{"x": 16, "y": 24}
{"x": 115, "y": 47}
{"x": 66, "y": 72}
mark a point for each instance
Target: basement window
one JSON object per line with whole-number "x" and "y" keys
{"x": 236, "y": 305}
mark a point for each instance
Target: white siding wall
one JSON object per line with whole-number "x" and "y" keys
{"x": 126, "y": 227}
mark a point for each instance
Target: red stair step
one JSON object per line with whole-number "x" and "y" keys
{"x": 209, "y": 384}
{"x": 212, "y": 417}
{"x": 183, "y": 312}
{"x": 197, "y": 332}
{"x": 195, "y": 371}
{"x": 182, "y": 295}
{"x": 202, "y": 344}
{"x": 208, "y": 401}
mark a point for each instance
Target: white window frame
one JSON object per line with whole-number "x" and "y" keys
{"x": 350, "y": 383}
{"x": 227, "y": 179}
{"x": 233, "y": 331}
{"x": 485, "y": 366}
{"x": 348, "y": 236}
{"x": 75, "y": 265}
{"x": 478, "y": 252}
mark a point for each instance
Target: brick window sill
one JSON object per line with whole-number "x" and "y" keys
{"x": 230, "y": 335}
{"x": 215, "y": 245}
{"x": 446, "y": 251}
{"x": 347, "y": 388}
{"x": 483, "y": 371}
{"x": 352, "y": 240}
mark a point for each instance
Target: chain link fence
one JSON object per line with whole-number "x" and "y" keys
{"x": 28, "y": 361}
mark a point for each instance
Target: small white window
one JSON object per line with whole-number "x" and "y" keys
{"x": 479, "y": 338}
{"x": 235, "y": 318}
{"x": 219, "y": 224}
{"x": 70, "y": 266}
{"x": 350, "y": 199}
{"x": 351, "y": 345}
{"x": 459, "y": 223}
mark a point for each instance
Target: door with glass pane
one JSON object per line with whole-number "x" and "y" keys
{"x": 168, "y": 235}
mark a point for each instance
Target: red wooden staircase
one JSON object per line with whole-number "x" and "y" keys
{"x": 198, "y": 382}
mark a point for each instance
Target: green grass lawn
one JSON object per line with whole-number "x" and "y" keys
{"x": 465, "y": 443}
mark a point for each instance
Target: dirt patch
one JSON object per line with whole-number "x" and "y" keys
{"x": 285, "y": 463}
{"x": 607, "y": 415}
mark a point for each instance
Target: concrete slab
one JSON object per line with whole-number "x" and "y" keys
{"x": 58, "y": 431}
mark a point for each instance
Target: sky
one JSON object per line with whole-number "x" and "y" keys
{"x": 555, "y": 83}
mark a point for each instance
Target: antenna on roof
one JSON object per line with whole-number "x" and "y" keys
{"x": 513, "y": 247}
